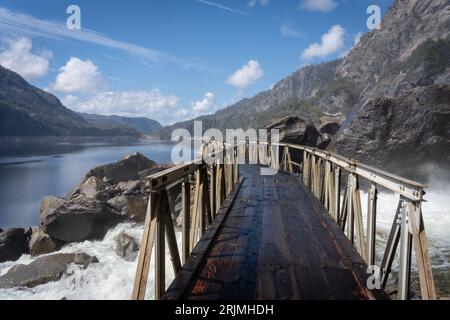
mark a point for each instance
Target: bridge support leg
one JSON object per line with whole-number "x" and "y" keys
{"x": 140, "y": 283}
{"x": 186, "y": 211}
{"x": 371, "y": 223}
{"x": 405, "y": 255}
{"x": 391, "y": 247}
{"x": 160, "y": 246}
{"x": 427, "y": 287}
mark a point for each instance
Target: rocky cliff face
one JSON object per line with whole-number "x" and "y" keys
{"x": 398, "y": 55}
{"x": 402, "y": 132}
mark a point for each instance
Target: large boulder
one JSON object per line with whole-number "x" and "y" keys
{"x": 92, "y": 188}
{"x": 124, "y": 170}
{"x": 127, "y": 247}
{"x": 41, "y": 243}
{"x": 43, "y": 270}
{"x": 297, "y": 130}
{"x": 330, "y": 127}
{"x": 131, "y": 207}
{"x": 77, "y": 219}
{"x": 13, "y": 244}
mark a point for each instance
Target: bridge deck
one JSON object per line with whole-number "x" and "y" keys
{"x": 276, "y": 241}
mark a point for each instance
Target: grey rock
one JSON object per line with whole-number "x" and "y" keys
{"x": 330, "y": 128}
{"x": 43, "y": 270}
{"x": 13, "y": 244}
{"x": 401, "y": 132}
{"x": 122, "y": 171}
{"x": 41, "y": 243}
{"x": 131, "y": 207}
{"x": 130, "y": 187}
{"x": 92, "y": 188}
{"x": 127, "y": 247}
{"x": 297, "y": 130}
{"x": 77, "y": 219}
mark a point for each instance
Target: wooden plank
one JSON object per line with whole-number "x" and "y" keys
{"x": 173, "y": 246}
{"x": 186, "y": 212}
{"x": 160, "y": 247}
{"x": 427, "y": 286}
{"x": 183, "y": 281}
{"x": 143, "y": 265}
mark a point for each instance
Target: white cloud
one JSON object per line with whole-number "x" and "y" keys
{"x": 183, "y": 112}
{"x": 247, "y": 75}
{"x": 222, "y": 7}
{"x": 206, "y": 104}
{"x": 19, "y": 23}
{"x": 78, "y": 76}
{"x": 17, "y": 56}
{"x": 152, "y": 104}
{"x": 262, "y": 3}
{"x": 318, "y": 5}
{"x": 332, "y": 42}
{"x": 288, "y": 31}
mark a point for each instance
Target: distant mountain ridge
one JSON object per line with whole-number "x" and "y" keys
{"x": 141, "y": 124}
{"x": 27, "y": 111}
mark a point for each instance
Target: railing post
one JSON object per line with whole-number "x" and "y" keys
{"x": 371, "y": 223}
{"x": 337, "y": 192}
{"x": 405, "y": 255}
{"x": 359, "y": 223}
{"x": 306, "y": 168}
{"x": 186, "y": 209}
{"x": 213, "y": 190}
{"x": 350, "y": 216}
{"x": 327, "y": 180}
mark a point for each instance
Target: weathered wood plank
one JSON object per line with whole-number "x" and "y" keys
{"x": 278, "y": 242}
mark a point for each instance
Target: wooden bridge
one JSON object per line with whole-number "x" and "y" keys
{"x": 260, "y": 223}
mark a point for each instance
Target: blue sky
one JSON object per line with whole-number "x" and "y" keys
{"x": 172, "y": 59}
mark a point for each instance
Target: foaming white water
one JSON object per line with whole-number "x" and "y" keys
{"x": 112, "y": 278}
{"x": 436, "y": 215}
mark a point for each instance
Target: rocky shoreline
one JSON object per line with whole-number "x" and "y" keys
{"x": 108, "y": 195}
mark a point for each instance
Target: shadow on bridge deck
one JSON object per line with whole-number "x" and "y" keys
{"x": 276, "y": 241}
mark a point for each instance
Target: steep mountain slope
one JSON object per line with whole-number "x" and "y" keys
{"x": 28, "y": 111}
{"x": 394, "y": 57}
{"x": 310, "y": 91}
{"x": 143, "y": 125}
{"x": 408, "y": 55}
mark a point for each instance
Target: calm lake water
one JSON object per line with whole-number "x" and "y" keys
{"x": 30, "y": 172}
